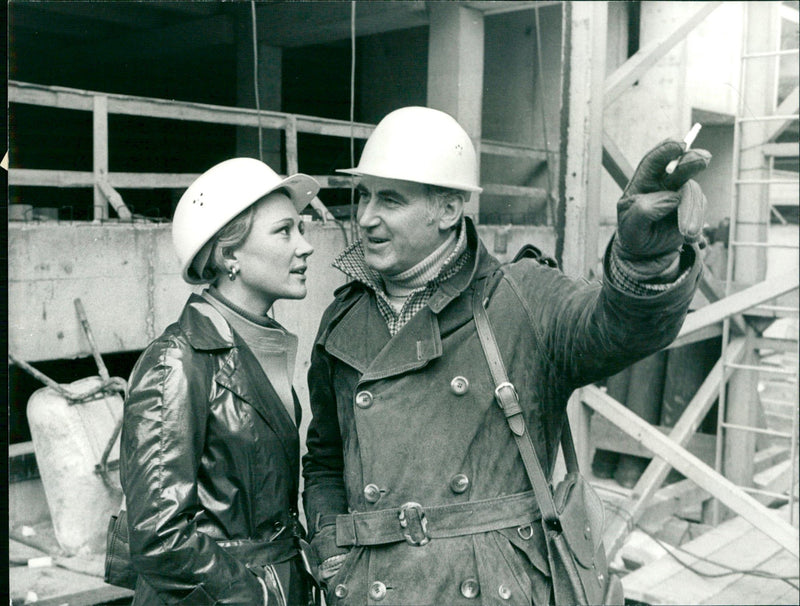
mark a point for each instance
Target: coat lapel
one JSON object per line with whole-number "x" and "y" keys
{"x": 239, "y": 372}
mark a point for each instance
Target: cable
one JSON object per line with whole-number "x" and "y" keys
{"x": 539, "y": 75}
{"x": 671, "y": 548}
{"x": 255, "y": 78}
{"x": 353, "y": 232}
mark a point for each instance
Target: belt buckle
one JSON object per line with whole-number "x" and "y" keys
{"x": 405, "y": 517}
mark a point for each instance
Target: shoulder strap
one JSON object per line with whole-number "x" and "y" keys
{"x": 508, "y": 400}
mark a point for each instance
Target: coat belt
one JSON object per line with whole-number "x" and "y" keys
{"x": 261, "y": 552}
{"x": 415, "y": 524}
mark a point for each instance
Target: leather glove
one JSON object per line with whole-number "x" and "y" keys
{"x": 329, "y": 556}
{"x": 658, "y": 212}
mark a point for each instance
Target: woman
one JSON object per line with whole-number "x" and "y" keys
{"x": 210, "y": 449}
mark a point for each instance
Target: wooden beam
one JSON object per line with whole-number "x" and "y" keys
{"x": 715, "y": 291}
{"x": 780, "y": 531}
{"x": 739, "y": 302}
{"x": 630, "y": 71}
{"x": 701, "y": 334}
{"x": 606, "y": 436}
{"x": 656, "y": 472}
{"x": 789, "y": 106}
{"x": 781, "y": 150}
{"x": 582, "y": 120}
{"x": 100, "y": 153}
{"x": 615, "y": 162}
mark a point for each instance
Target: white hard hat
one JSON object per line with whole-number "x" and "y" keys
{"x": 423, "y": 145}
{"x": 219, "y": 195}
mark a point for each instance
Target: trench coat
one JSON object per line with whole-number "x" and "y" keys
{"x": 209, "y": 466}
{"x": 404, "y": 425}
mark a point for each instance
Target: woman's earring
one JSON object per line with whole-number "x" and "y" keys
{"x": 233, "y": 272}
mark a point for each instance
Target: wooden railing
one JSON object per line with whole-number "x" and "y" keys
{"x": 105, "y": 182}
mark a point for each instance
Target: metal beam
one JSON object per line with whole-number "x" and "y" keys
{"x": 780, "y": 531}
{"x": 657, "y": 470}
{"x": 630, "y": 71}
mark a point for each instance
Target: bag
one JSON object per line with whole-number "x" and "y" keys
{"x": 119, "y": 570}
{"x": 572, "y": 515}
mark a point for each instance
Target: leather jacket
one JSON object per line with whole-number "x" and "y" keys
{"x": 209, "y": 466}
{"x": 411, "y": 419}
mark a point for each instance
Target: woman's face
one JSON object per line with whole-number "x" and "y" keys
{"x": 272, "y": 259}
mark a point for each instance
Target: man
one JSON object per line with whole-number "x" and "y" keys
{"x": 415, "y": 492}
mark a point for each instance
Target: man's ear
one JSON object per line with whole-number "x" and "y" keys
{"x": 452, "y": 210}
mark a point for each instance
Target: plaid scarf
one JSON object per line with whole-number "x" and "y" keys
{"x": 352, "y": 263}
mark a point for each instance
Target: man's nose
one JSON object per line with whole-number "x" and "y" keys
{"x": 366, "y": 215}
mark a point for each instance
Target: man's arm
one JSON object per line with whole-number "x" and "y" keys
{"x": 324, "y": 494}
{"x": 651, "y": 271}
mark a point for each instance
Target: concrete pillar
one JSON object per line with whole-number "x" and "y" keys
{"x": 269, "y": 88}
{"x": 455, "y": 69}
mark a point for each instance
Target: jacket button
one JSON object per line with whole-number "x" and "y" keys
{"x": 340, "y": 591}
{"x": 372, "y": 493}
{"x": 459, "y": 385}
{"x": 504, "y": 592}
{"x": 377, "y": 591}
{"x": 364, "y": 399}
{"x": 459, "y": 483}
{"x": 470, "y": 588}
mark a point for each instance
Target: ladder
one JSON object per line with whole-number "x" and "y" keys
{"x": 758, "y": 410}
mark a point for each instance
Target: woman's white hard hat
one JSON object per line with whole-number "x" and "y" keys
{"x": 423, "y": 145}
{"x": 219, "y": 195}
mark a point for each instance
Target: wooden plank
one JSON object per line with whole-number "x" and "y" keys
{"x": 701, "y": 334}
{"x": 640, "y": 583}
{"x": 681, "y": 433}
{"x": 740, "y": 301}
{"x": 742, "y": 550}
{"x": 513, "y": 150}
{"x": 99, "y": 153}
{"x": 781, "y": 150}
{"x": 788, "y": 106}
{"x": 693, "y": 468}
{"x": 615, "y": 162}
{"x": 630, "y": 71}
{"x": 758, "y": 590}
{"x": 514, "y": 190}
{"x": 607, "y": 436}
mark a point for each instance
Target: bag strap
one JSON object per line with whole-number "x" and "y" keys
{"x": 508, "y": 400}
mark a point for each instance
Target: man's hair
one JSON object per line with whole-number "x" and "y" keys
{"x": 438, "y": 196}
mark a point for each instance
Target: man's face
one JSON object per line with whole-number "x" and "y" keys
{"x": 399, "y": 224}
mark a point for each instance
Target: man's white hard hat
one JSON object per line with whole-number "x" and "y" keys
{"x": 219, "y": 195}
{"x": 423, "y": 145}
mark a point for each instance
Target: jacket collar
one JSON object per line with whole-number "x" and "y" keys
{"x": 204, "y": 326}
{"x": 361, "y": 339}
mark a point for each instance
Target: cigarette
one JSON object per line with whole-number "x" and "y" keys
{"x": 688, "y": 140}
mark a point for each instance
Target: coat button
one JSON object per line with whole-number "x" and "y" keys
{"x": 470, "y": 588}
{"x": 372, "y": 493}
{"x": 459, "y": 385}
{"x": 364, "y": 399}
{"x": 504, "y": 592}
{"x": 459, "y": 483}
{"x": 377, "y": 591}
{"x": 340, "y": 591}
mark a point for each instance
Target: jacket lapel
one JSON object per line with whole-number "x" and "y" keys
{"x": 240, "y": 372}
